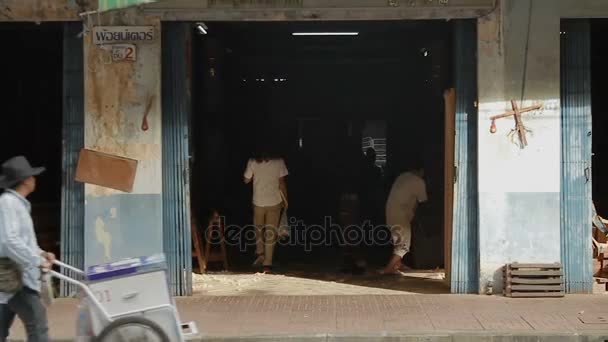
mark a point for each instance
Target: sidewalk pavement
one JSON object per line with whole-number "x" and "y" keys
{"x": 378, "y": 318}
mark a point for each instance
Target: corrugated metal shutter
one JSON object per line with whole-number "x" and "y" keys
{"x": 72, "y": 192}
{"x": 465, "y": 239}
{"x": 176, "y": 184}
{"x": 576, "y": 155}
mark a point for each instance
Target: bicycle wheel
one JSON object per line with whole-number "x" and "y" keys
{"x": 132, "y": 329}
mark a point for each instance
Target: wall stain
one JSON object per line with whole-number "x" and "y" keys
{"x": 103, "y": 237}
{"x": 44, "y": 10}
{"x": 117, "y": 96}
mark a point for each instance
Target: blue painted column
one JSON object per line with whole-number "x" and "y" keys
{"x": 576, "y": 188}
{"x": 72, "y": 192}
{"x": 465, "y": 245}
{"x": 176, "y": 168}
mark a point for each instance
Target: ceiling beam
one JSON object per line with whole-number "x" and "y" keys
{"x": 315, "y": 10}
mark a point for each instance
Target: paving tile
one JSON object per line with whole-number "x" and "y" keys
{"x": 502, "y": 321}
{"x": 380, "y": 317}
{"x": 547, "y": 322}
{"x": 409, "y": 325}
{"x": 270, "y": 304}
{"x": 575, "y": 321}
{"x": 347, "y": 324}
{"x": 452, "y": 322}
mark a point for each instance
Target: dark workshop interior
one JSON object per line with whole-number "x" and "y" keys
{"x": 599, "y": 112}
{"x": 32, "y": 94}
{"x": 323, "y": 99}
{"x": 599, "y": 108}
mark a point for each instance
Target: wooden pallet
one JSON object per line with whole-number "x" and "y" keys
{"x": 533, "y": 280}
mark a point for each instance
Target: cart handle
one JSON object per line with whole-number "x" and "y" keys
{"x": 86, "y": 290}
{"x": 68, "y": 267}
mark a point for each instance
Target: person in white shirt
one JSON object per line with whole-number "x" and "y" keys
{"x": 269, "y": 189}
{"x": 408, "y": 190}
{"x": 19, "y": 247}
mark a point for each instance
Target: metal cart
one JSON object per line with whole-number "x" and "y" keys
{"x": 126, "y": 300}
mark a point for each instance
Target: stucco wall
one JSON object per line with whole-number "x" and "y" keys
{"x": 117, "y": 95}
{"x": 519, "y": 202}
{"x": 44, "y": 10}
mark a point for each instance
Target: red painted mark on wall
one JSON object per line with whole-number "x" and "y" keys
{"x": 144, "y": 124}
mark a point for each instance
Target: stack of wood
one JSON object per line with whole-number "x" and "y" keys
{"x": 533, "y": 280}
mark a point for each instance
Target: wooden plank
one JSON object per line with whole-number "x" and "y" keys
{"x": 536, "y": 295}
{"x": 197, "y": 242}
{"x": 106, "y": 170}
{"x": 545, "y": 281}
{"x": 512, "y": 112}
{"x": 239, "y": 10}
{"x": 549, "y": 266}
{"x": 535, "y": 273}
{"x": 521, "y": 132}
{"x": 535, "y": 288}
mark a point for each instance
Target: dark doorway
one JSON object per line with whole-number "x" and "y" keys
{"x": 322, "y": 98}
{"x": 599, "y": 110}
{"x": 599, "y": 113}
{"x": 31, "y": 91}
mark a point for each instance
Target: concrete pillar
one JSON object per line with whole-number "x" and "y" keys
{"x": 519, "y": 189}
{"x": 117, "y": 95}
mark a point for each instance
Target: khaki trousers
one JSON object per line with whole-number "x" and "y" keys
{"x": 402, "y": 238}
{"x": 266, "y": 221}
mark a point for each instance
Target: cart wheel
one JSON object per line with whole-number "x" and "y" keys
{"x": 132, "y": 329}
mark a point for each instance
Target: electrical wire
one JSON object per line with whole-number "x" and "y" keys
{"x": 526, "y": 55}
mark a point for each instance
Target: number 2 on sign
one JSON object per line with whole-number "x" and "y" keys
{"x": 103, "y": 296}
{"x": 124, "y": 52}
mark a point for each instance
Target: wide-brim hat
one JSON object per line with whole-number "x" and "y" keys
{"x": 17, "y": 169}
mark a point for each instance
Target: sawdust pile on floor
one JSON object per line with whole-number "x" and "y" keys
{"x": 231, "y": 284}
{"x": 225, "y": 284}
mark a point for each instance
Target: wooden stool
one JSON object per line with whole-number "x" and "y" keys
{"x": 215, "y": 224}
{"x": 197, "y": 246}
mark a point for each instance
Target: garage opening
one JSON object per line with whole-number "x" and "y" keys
{"x": 328, "y": 94}
{"x": 32, "y": 115}
{"x": 599, "y": 113}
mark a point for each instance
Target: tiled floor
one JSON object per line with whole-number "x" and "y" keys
{"x": 233, "y": 305}
{"x": 218, "y": 316}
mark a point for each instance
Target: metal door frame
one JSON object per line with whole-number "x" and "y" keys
{"x": 576, "y": 149}
{"x": 465, "y": 227}
{"x": 72, "y": 192}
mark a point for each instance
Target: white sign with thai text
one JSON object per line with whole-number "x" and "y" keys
{"x": 124, "y": 52}
{"x": 123, "y": 34}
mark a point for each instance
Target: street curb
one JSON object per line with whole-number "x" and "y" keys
{"x": 416, "y": 337}
{"x": 400, "y": 337}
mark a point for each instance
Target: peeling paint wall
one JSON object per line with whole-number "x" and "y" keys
{"x": 294, "y": 10}
{"x": 520, "y": 189}
{"x": 117, "y": 96}
{"x": 44, "y": 10}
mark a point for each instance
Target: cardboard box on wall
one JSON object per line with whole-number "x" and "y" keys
{"x": 106, "y": 170}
